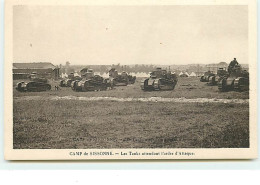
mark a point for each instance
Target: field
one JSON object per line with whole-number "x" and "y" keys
{"x": 41, "y": 122}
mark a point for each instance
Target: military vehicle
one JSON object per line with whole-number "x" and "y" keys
{"x": 36, "y": 84}
{"x": 237, "y": 80}
{"x": 83, "y": 71}
{"x": 221, "y": 73}
{"x": 119, "y": 79}
{"x": 67, "y": 82}
{"x": 206, "y": 76}
{"x": 90, "y": 82}
{"x": 159, "y": 80}
{"x": 131, "y": 79}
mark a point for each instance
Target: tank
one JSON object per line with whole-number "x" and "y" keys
{"x": 83, "y": 71}
{"x": 237, "y": 80}
{"x": 159, "y": 80}
{"x": 131, "y": 79}
{"x": 221, "y": 73}
{"x": 206, "y": 76}
{"x": 90, "y": 82}
{"x": 119, "y": 79}
{"x": 36, "y": 84}
{"x": 67, "y": 82}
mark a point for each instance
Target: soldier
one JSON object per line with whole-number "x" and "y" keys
{"x": 232, "y": 64}
{"x": 168, "y": 75}
{"x": 57, "y": 88}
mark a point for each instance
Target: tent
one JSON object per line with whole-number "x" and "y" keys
{"x": 184, "y": 74}
{"x": 64, "y": 75}
{"x": 193, "y": 74}
{"x": 181, "y": 73}
{"x": 140, "y": 74}
{"x": 105, "y": 75}
{"x": 76, "y": 74}
{"x": 97, "y": 73}
{"x": 187, "y": 74}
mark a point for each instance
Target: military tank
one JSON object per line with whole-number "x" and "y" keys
{"x": 206, "y": 76}
{"x": 221, "y": 73}
{"x": 119, "y": 79}
{"x": 159, "y": 80}
{"x": 90, "y": 82}
{"x": 131, "y": 79}
{"x": 67, "y": 82}
{"x": 237, "y": 80}
{"x": 36, "y": 84}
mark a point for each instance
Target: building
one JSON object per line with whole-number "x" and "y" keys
{"x": 214, "y": 67}
{"x": 43, "y": 69}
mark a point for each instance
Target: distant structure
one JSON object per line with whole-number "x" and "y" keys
{"x": 193, "y": 74}
{"x": 199, "y": 71}
{"x": 43, "y": 69}
{"x": 214, "y": 67}
{"x": 185, "y": 74}
{"x": 181, "y": 73}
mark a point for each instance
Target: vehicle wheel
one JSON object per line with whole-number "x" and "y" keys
{"x": 222, "y": 86}
{"x": 48, "y": 87}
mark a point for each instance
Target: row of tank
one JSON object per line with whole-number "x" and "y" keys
{"x": 86, "y": 82}
{"x": 159, "y": 80}
{"x": 234, "y": 79}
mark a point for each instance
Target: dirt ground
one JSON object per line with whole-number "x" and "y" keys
{"x": 64, "y": 124}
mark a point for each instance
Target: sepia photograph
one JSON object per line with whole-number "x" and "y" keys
{"x": 165, "y": 81}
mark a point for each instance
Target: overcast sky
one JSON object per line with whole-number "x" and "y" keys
{"x": 130, "y": 34}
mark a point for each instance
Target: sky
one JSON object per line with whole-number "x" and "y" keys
{"x": 85, "y": 35}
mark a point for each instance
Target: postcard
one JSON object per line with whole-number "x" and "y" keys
{"x": 90, "y": 80}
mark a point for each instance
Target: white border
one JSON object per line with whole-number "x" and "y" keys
{"x": 64, "y": 154}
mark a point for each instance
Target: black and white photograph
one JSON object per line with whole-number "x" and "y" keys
{"x": 130, "y": 81}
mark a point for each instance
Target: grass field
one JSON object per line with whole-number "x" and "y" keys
{"x": 68, "y": 124}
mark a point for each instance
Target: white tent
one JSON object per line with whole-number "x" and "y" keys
{"x": 181, "y": 73}
{"x": 64, "y": 75}
{"x": 105, "y": 75}
{"x": 76, "y": 74}
{"x": 187, "y": 74}
{"x": 138, "y": 74}
{"x": 97, "y": 73}
{"x": 193, "y": 74}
